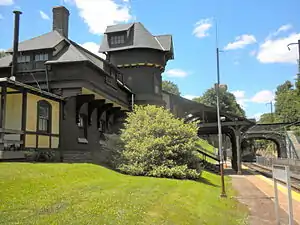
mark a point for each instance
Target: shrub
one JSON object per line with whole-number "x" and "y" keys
{"x": 158, "y": 144}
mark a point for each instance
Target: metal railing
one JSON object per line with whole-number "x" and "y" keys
{"x": 294, "y": 164}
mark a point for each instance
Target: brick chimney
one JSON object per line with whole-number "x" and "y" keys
{"x": 61, "y": 20}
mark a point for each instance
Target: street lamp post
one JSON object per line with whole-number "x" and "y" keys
{"x": 223, "y": 193}
{"x": 296, "y": 43}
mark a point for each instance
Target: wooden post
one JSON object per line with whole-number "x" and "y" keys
{"x": 24, "y": 118}
{"x": 2, "y": 114}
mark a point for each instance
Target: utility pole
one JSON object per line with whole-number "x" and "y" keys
{"x": 271, "y": 104}
{"x": 223, "y": 193}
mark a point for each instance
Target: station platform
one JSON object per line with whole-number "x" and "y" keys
{"x": 257, "y": 193}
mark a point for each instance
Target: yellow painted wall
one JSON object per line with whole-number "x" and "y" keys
{"x": 54, "y": 142}
{"x": 30, "y": 140}
{"x": 43, "y": 141}
{"x": 13, "y": 111}
{"x": 31, "y": 120}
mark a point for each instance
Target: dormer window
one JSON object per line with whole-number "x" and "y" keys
{"x": 41, "y": 57}
{"x": 117, "y": 39}
{"x": 23, "y": 58}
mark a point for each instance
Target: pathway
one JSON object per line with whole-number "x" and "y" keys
{"x": 257, "y": 192}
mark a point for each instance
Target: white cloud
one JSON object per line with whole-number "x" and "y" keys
{"x": 190, "y": 97}
{"x": 176, "y": 73}
{"x": 240, "y": 98}
{"x": 202, "y": 27}
{"x": 1, "y": 17}
{"x": 6, "y": 2}
{"x": 253, "y": 53}
{"x": 94, "y": 48}
{"x": 240, "y": 42}
{"x": 44, "y": 15}
{"x": 239, "y": 94}
{"x": 98, "y": 14}
{"x": 281, "y": 29}
{"x": 263, "y": 96}
{"x": 276, "y": 51}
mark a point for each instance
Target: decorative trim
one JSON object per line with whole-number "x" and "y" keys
{"x": 141, "y": 64}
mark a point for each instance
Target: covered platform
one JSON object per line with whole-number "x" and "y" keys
{"x": 29, "y": 119}
{"x": 233, "y": 125}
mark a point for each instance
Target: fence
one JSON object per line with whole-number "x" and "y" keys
{"x": 294, "y": 164}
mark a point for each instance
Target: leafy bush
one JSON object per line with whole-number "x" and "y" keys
{"x": 158, "y": 144}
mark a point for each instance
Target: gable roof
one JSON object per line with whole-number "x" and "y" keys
{"x": 118, "y": 27}
{"x": 142, "y": 38}
{"x": 45, "y": 41}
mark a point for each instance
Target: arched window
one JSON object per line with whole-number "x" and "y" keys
{"x": 44, "y": 116}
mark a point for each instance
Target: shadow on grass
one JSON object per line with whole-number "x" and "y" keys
{"x": 206, "y": 181}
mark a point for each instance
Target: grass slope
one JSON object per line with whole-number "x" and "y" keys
{"x": 90, "y": 194}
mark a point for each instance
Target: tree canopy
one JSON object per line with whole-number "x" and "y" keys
{"x": 228, "y": 101}
{"x": 287, "y": 104}
{"x": 267, "y": 118}
{"x": 2, "y": 54}
{"x": 170, "y": 87}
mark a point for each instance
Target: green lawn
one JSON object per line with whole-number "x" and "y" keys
{"x": 90, "y": 194}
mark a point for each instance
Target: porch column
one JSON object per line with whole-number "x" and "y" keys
{"x": 2, "y": 114}
{"x": 24, "y": 117}
{"x": 238, "y": 151}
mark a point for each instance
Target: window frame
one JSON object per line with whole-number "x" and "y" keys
{"x": 23, "y": 58}
{"x": 41, "y": 57}
{"x": 44, "y": 103}
{"x": 118, "y": 38}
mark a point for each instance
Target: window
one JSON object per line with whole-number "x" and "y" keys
{"x": 23, "y": 59}
{"x": 101, "y": 126}
{"x": 44, "y": 116}
{"x": 118, "y": 39}
{"x": 82, "y": 123}
{"x": 156, "y": 85}
{"x": 41, "y": 57}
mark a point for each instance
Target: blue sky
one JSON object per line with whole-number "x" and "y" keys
{"x": 253, "y": 35}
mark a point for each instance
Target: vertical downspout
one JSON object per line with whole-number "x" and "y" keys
{"x": 15, "y": 43}
{"x": 132, "y": 101}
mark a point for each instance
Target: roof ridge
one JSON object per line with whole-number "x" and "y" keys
{"x": 84, "y": 49}
{"x": 159, "y": 43}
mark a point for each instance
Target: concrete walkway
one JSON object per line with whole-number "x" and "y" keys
{"x": 257, "y": 192}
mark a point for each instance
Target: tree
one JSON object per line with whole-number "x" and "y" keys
{"x": 267, "y": 118}
{"x": 170, "y": 87}
{"x": 228, "y": 101}
{"x": 2, "y": 54}
{"x": 287, "y": 106}
{"x": 158, "y": 144}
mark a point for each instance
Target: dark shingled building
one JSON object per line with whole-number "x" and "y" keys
{"x": 141, "y": 57}
{"x": 73, "y": 97}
